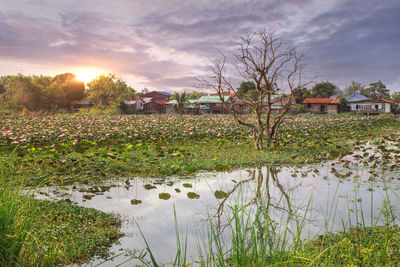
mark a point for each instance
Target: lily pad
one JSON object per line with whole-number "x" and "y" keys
{"x": 135, "y": 201}
{"x": 219, "y": 194}
{"x": 149, "y": 186}
{"x": 193, "y": 195}
{"x": 186, "y": 185}
{"x": 164, "y": 196}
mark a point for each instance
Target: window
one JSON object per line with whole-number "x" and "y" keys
{"x": 308, "y": 105}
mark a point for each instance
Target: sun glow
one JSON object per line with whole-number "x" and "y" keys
{"x": 86, "y": 75}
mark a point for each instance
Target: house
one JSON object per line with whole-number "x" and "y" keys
{"x": 154, "y": 106}
{"x": 171, "y": 107}
{"x": 389, "y": 106}
{"x": 213, "y": 104}
{"x": 239, "y": 106}
{"x": 191, "y": 107}
{"x": 84, "y": 102}
{"x": 158, "y": 95}
{"x": 279, "y": 103}
{"x": 322, "y": 105}
{"x": 361, "y": 103}
{"x": 138, "y": 103}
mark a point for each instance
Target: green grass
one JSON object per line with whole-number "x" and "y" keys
{"x": 44, "y": 233}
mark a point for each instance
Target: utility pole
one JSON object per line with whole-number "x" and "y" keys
{"x": 20, "y": 70}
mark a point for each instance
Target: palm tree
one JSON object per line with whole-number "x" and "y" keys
{"x": 181, "y": 101}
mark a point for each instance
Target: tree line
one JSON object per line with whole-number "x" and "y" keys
{"x": 47, "y": 93}
{"x": 327, "y": 89}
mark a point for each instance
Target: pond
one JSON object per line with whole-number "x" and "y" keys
{"x": 327, "y": 195}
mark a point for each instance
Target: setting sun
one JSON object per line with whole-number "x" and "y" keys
{"x": 86, "y": 75}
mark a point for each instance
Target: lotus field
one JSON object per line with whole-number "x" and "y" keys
{"x": 101, "y": 130}
{"x": 67, "y": 148}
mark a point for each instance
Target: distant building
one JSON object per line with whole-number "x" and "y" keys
{"x": 366, "y": 105}
{"x": 191, "y": 107}
{"x": 322, "y": 105}
{"x": 84, "y": 102}
{"x": 138, "y": 103}
{"x": 213, "y": 104}
{"x": 158, "y": 95}
{"x": 280, "y": 102}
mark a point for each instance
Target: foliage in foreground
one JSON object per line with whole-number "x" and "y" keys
{"x": 41, "y": 233}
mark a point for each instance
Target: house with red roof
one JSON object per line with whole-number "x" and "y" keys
{"x": 155, "y": 102}
{"x": 321, "y": 105}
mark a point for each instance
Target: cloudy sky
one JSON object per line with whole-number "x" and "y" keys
{"x": 166, "y": 44}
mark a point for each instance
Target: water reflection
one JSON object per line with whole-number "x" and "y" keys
{"x": 318, "y": 197}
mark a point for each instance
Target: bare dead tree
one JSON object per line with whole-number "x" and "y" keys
{"x": 274, "y": 67}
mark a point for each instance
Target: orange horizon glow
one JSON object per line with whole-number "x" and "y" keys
{"x": 86, "y": 75}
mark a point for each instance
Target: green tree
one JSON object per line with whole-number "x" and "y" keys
{"x": 181, "y": 101}
{"x": 4, "y": 82}
{"x": 324, "y": 90}
{"x": 300, "y": 94}
{"x": 25, "y": 93}
{"x": 376, "y": 90}
{"x": 354, "y": 88}
{"x": 343, "y": 105}
{"x": 194, "y": 95}
{"x": 396, "y": 97}
{"x": 70, "y": 86}
{"x": 108, "y": 90}
{"x": 244, "y": 88}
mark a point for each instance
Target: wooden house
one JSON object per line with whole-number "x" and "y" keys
{"x": 154, "y": 106}
{"x": 158, "y": 95}
{"x": 321, "y": 105}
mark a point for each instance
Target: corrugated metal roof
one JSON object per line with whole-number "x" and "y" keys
{"x": 356, "y": 98}
{"x": 212, "y": 99}
{"x": 321, "y": 101}
{"x": 163, "y": 92}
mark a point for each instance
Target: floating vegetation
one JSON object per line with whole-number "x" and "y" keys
{"x": 135, "y": 201}
{"x": 193, "y": 195}
{"x": 186, "y": 185}
{"x": 164, "y": 196}
{"x": 149, "y": 186}
{"x": 219, "y": 194}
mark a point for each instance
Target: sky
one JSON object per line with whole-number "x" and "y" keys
{"x": 167, "y": 44}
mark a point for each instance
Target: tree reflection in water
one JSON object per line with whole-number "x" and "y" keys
{"x": 260, "y": 207}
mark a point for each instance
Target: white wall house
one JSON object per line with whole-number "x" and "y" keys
{"x": 367, "y": 106}
{"x": 359, "y": 102}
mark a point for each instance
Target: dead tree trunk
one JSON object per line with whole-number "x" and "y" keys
{"x": 267, "y": 61}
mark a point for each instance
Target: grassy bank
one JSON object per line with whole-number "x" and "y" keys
{"x": 65, "y": 149}
{"x": 44, "y": 233}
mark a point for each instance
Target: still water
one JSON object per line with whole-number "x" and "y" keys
{"x": 328, "y": 194}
